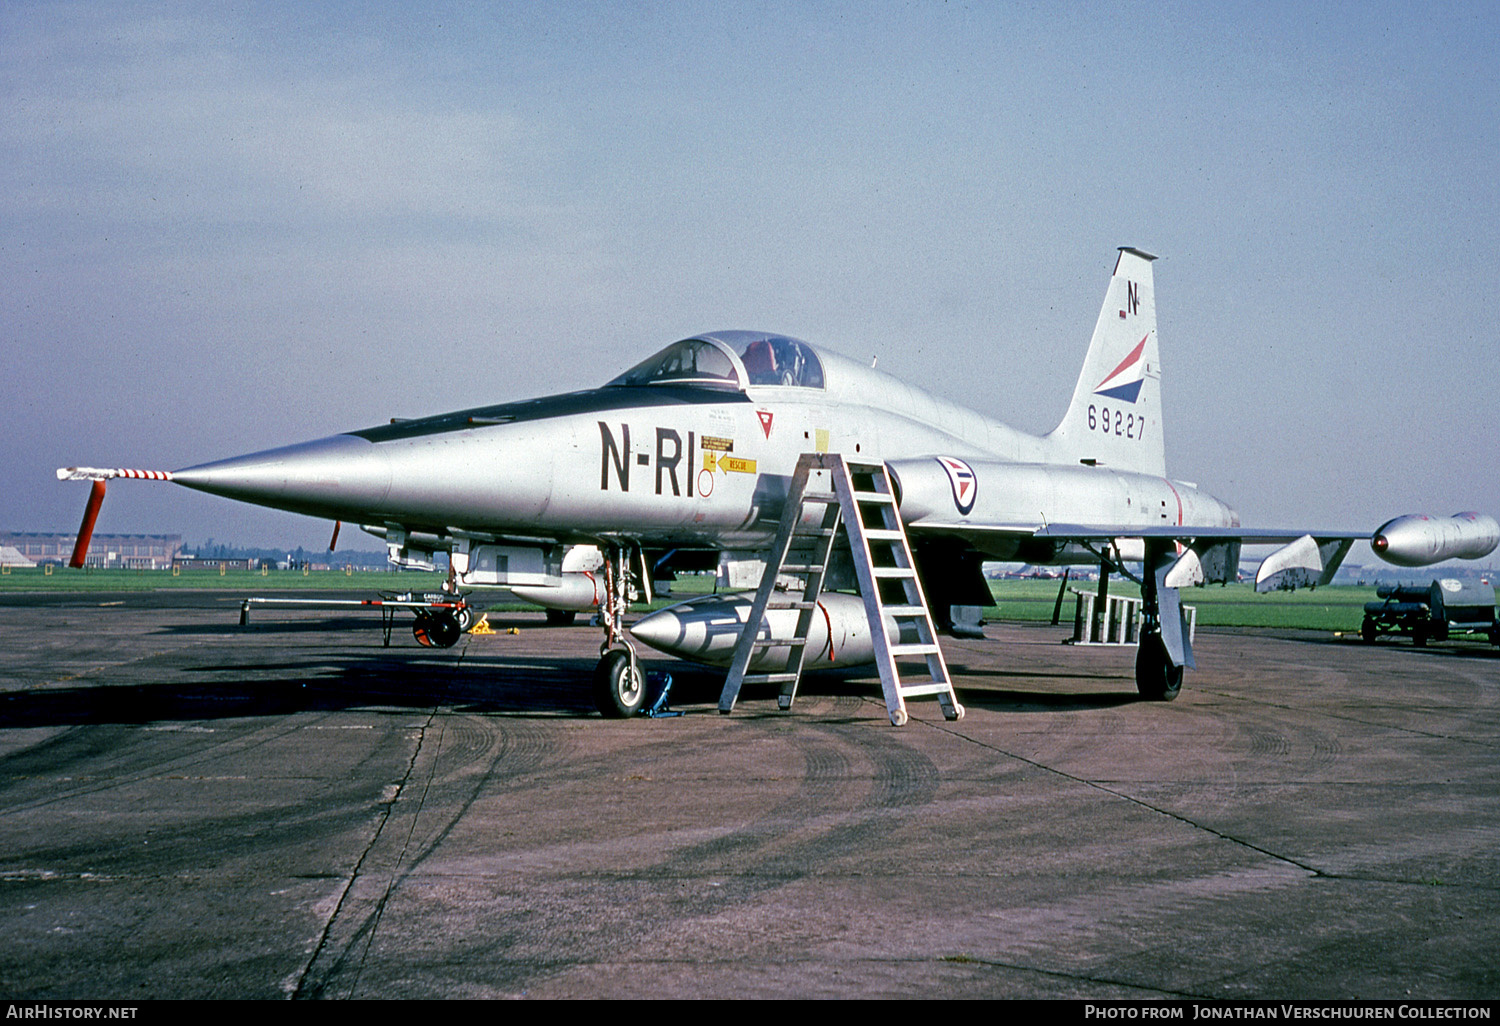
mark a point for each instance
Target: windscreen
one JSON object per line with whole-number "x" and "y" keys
{"x": 691, "y": 362}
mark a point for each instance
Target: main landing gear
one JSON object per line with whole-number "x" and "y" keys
{"x": 1155, "y": 676}
{"x": 1165, "y": 648}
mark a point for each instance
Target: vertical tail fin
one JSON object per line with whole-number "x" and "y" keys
{"x": 1114, "y": 419}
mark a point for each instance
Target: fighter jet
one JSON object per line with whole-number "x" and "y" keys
{"x": 690, "y": 454}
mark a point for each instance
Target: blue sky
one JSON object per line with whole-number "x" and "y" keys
{"x": 228, "y": 227}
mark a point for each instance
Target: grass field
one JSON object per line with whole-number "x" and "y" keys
{"x": 62, "y": 579}
{"x": 1235, "y": 605}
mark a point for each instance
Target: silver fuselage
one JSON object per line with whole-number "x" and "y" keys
{"x": 691, "y": 465}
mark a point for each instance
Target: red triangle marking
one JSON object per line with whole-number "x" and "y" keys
{"x": 1135, "y": 354}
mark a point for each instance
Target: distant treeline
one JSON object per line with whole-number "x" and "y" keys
{"x": 297, "y": 557}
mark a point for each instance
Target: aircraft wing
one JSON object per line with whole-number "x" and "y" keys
{"x": 1184, "y": 533}
{"x": 1204, "y": 554}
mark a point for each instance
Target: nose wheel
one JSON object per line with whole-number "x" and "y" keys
{"x": 619, "y": 685}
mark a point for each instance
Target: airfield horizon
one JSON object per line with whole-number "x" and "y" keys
{"x": 1337, "y": 607}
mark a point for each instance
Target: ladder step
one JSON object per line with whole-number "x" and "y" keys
{"x": 875, "y": 498}
{"x": 802, "y": 568}
{"x": 819, "y": 497}
{"x": 813, "y": 532}
{"x": 903, "y": 572}
{"x": 779, "y": 642}
{"x": 882, "y": 534}
{"x": 773, "y": 604}
{"x": 769, "y": 678}
{"x": 911, "y": 650}
{"x": 906, "y": 612}
{"x": 918, "y": 690}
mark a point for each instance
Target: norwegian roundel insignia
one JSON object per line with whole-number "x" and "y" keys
{"x": 965, "y": 484}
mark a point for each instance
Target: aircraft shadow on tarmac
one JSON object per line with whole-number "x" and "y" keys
{"x": 420, "y": 678}
{"x": 1452, "y": 649}
{"x": 1014, "y": 699}
{"x": 1007, "y": 701}
{"x": 403, "y": 677}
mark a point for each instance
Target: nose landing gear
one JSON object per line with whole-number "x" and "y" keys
{"x": 619, "y": 680}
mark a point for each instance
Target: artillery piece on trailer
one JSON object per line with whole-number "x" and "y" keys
{"x": 1432, "y": 612}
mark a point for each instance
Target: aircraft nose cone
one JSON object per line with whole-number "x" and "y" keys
{"x": 337, "y": 477}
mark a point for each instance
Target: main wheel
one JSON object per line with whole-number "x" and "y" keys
{"x": 1155, "y": 676}
{"x": 619, "y": 686}
{"x": 1367, "y": 630}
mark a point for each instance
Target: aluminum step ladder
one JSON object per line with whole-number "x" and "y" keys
{"x": 862, "y": 501}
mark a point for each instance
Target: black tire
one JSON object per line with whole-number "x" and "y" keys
{"x": 619, "y": 686}
{"x": 1367, "y": 631}
{"x": 1155, "y": 676}
{"x": 1419, "y": 635}
{"x": 465, "y": 617}
{"x": 422, "y": 629}
{"x": 560, "y": 617}
{"x": 439, "y": 630}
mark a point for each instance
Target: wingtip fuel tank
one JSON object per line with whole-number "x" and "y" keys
{"x": 1417, "y": 539}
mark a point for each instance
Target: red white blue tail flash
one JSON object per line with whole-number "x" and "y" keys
{"x": 1124, "y": 382}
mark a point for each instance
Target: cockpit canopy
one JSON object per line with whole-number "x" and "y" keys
{"x": 730, "y": 359}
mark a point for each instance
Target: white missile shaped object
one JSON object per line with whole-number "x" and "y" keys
{"x": 1418, "y": 540}
{"x": 576, "y": 593}
{"x": 581, "y": 588}
{"x": 706, "y": 629}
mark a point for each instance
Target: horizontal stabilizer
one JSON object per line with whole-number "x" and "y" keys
{"x": 1305, "y": 563}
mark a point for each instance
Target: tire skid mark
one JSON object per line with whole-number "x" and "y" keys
{"x": 118, "y": 764}
{"x": 1118, "y": 790}
{"x": 824, "y": 820}
{"x": 441, "y": 781}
